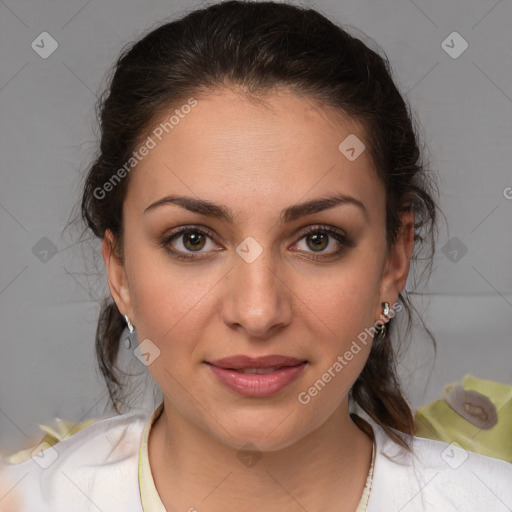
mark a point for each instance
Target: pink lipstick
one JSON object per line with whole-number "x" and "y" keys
{"x": 257, "y": 376}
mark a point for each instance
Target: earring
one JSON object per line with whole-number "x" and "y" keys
{"x": 383, "y": 332}
{"x": 131, "y": 340}
{"x": 130, "y": 326}
{"x": 381, "y": 328}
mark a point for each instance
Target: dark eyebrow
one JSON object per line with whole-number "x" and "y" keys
{"x": 288, "y": 214}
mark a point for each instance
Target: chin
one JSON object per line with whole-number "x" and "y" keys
{"x": 260, "y": 433}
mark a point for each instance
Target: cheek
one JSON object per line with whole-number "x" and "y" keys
{"x": 341, "y": 302}
{"x": 170, "y": 301}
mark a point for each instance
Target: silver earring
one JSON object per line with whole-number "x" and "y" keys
{"x": 130, "y": 341}
{"x": 130, "y": 326}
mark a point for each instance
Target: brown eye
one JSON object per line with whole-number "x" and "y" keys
{"x": 183, "y": 243}
{"x": 320, "y": 238}
{"x": 317, "y": 241}
{"x": 193, "y": 241}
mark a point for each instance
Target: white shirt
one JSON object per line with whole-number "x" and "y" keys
{"x": 98, "y": 469}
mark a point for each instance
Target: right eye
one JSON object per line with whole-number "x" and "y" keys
{"x": 182, "y": 243}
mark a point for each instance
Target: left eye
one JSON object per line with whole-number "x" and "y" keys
{"x": 318, "y": 239}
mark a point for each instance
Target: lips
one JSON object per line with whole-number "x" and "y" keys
{"x": 257, "y": 377}
{"x": 259, "y": 365}
{"x": 259, "y": 371}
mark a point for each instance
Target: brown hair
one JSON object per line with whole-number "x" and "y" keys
{"x": 257, "y": 46}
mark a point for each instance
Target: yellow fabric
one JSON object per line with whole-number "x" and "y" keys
{"x": 150, "y": 498}
{"x": 62, "y": 430}
{"x": 363, "y": 503}
{"x": 439, "y": 421}
{"x": 149, "y": 495}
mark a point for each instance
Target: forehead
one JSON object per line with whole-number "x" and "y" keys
{"x": 237, "y": 151}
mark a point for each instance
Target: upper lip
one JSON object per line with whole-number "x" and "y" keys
{"x": 242, "y": 362}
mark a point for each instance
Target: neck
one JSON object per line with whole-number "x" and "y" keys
{"x": 326, "y": 470}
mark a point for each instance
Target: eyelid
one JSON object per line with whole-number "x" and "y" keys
{"x": 341, "y": 237}
{"x": 170, "y": 235}
{"x": 324, "y": 228}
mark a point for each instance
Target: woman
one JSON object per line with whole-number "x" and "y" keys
{"x": 260, "y": 195}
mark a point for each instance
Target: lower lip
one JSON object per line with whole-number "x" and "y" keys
{"x": 258, "y": 385}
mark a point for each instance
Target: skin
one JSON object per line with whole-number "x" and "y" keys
{"x": 256, "y": 159}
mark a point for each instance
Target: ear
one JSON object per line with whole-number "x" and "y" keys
{"x": 116, "y": 275}
{"x": 396, "y": 268}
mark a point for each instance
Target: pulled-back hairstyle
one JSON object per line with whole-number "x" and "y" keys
{"x": 255, "y": 47}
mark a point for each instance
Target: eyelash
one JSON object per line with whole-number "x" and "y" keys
{"x": 339, "y": 236}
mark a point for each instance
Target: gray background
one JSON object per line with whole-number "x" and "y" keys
{"x": 48, "y": 309}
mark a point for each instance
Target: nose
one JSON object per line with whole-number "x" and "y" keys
{"x": 257, "y": 299}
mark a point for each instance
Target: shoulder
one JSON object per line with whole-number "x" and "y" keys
{"x": 98, "y": 464}
{"x": 437, "y": 476}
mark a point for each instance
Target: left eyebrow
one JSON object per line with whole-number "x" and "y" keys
{"x": 289, "y": 214}
{"x": 317, "y": 205}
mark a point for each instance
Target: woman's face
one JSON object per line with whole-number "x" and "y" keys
{"x": 247, "y": 278}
